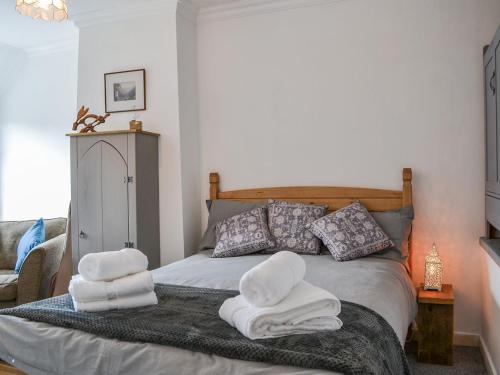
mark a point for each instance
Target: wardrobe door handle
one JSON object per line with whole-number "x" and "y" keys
{"x": 492, "y": 79}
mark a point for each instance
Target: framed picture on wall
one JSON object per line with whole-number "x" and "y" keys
{"x": 125, "y": 91}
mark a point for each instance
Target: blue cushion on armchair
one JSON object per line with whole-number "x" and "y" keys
{"x": 33, "y": 237}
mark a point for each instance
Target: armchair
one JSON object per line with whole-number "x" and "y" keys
{"x": 35, "y": 279}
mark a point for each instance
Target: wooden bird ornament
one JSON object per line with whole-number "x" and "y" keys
{"x": 88, "y": 126}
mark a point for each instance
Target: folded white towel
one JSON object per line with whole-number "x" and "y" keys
{"x": 89, "y": 291}
{"x": 129, "y": 302}
{"x": 306, "y": 309}
{"x": 272, "y": 280}
{"x": 110, "y": 265}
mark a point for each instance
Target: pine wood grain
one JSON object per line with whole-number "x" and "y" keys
{"x": 372, "y": 204}
{"x": 444, "y": 297}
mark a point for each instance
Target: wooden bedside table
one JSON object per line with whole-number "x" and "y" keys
{"x": 435, "y": 325}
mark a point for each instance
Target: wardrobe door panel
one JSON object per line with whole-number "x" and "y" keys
{"x": 144, "y": 212}
{"x": 115, "y": 198}
{"x": 119, "y": 142}
{"x": 89, "y": 200}
{"x": 491, "y": 127}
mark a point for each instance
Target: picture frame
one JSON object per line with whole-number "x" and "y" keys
{"x": 125, "y": 91}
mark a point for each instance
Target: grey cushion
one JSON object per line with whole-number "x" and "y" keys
{"x": 220, "y": 210}
{"x": 287, "y": 223}
{"x": 397, "y": 225}
{"x": 242, "y": 234}
{"x": 350, "y": 233}
{"x": 12, "y": 231}
{"x": 8, "y": 286}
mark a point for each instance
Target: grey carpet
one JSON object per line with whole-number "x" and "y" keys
{"x": 466, "y": 361}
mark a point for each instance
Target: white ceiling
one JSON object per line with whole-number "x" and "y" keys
{"x": 26, "y": 33}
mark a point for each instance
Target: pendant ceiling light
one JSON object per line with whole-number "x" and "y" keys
{"x": 48, "y": 10}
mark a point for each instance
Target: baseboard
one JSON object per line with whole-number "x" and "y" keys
{"x": 488, "y": 361}
{"x": 465, "y": 339}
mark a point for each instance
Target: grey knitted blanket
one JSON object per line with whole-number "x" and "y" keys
{"x": 187, "y": 318}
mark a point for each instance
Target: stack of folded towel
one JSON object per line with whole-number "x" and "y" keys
{"x": 112, "y": 280}
{"x": 275, "y": 301}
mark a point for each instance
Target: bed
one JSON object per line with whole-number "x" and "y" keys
{"x": 382, "y": 285}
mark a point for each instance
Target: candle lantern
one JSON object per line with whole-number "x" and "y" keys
{"x": 433, "y": 270}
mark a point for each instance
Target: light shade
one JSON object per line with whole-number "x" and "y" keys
{"x": 48, "y": 10}
{"x": 433, "y": 270}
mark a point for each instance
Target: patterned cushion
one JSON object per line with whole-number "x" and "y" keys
{"x": 350, "y": 233}
{"x": 242, "y": 234}
{"x": 218, "y": 210}
{"x": 287, "y": 223}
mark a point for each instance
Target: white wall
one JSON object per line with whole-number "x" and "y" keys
{"x": 349, "y": 93}
{"x": 189, "y": 129}
{"x": 12, "y": 61}
{"x": 490, "y": 332}
{"x": 36, "y": 110}
{"x": 149, "y": 40}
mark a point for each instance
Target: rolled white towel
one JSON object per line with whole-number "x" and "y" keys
{"x": 306, "y": 309}
{"x": 272, "y": 280}
{"x": 129, "y": 302}
{"x": 110, "y": 265}
{"x": 89, "y": 291}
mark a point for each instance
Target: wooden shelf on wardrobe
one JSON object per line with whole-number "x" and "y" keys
{"x": 110, "y": 132}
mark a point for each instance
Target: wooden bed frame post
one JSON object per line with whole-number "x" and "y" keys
{"x": 214, "y": 185}
{"x": 407, "y": 200}
{"x": 407, "y": 193}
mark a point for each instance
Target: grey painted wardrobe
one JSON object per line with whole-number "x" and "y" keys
{"x": 114, "y": 193}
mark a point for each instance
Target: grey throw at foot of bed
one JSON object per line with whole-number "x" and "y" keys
{"x": 187, "y": 318}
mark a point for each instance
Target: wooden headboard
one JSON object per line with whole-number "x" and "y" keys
{"x": 334, "y": 197}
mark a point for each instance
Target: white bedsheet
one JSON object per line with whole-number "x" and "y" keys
{"x": 39, "y": 348}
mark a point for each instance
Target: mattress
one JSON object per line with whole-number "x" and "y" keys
{"x": 380, "y": 284}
